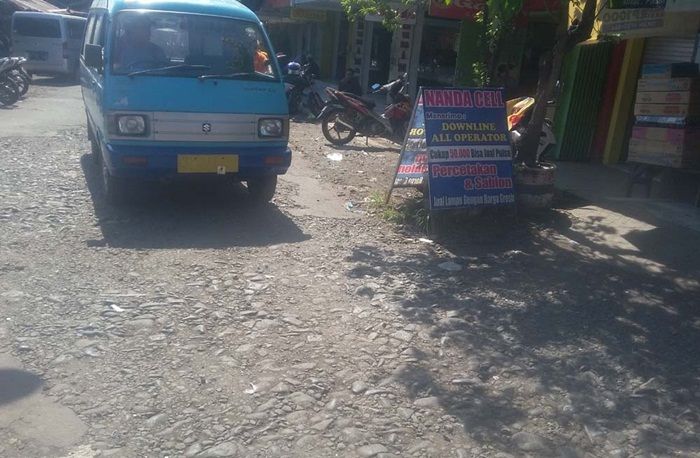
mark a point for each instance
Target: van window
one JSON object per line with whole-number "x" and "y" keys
{"x": 89, "y": 30}
{"x": 76, "y": 29}
{"x": 42, "y": 27}
{"x": 154, "y": 40}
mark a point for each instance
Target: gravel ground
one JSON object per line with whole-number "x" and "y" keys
{"x": 193, "y": 323}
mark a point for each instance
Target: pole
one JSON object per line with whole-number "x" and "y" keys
{"x": 417, "y": 42}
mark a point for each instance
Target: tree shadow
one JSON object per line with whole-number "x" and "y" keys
{"x": 546, "y": 323}
{"x": 16, "y": 384}
{"x": 187, "y": 215}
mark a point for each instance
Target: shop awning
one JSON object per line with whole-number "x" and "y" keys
{"x": 31, "y": 5}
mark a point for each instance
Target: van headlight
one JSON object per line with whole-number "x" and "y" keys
{"x": 132, "y": 125}
{"x": 270, "y": 127}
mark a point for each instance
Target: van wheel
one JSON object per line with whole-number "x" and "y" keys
{"x": 262, "y": 189}
{"x": 94, "y": 145}
{"x": 112, "y": 187}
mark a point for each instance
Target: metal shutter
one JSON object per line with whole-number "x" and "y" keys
{"x": 668, "y": 50}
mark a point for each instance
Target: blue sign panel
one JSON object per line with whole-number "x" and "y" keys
{"x": 413, "y": 160}
{"x": 469, "y": 155}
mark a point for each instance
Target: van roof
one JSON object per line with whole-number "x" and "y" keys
{"x": 230, "y": 8}
{"x": 42, "y": 14}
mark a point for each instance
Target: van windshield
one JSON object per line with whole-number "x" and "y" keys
{"x": 42, "y": 27}
{"x": 156, "y": 43}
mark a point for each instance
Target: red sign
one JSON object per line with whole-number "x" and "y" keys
{"x": 457, "y": 9}
{"x": 467, "y": 9}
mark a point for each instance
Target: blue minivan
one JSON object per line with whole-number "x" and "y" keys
{"x": 183, "y": 88}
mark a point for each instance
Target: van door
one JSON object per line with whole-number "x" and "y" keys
{"x": 75, "y": 32}
{"x": 40, "y": 39}
{"x": 92, "y": 79}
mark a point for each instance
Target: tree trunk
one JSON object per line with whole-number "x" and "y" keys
{"x": 549, "y": 74}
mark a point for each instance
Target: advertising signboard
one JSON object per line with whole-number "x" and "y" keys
{"x": 469, "y": 153}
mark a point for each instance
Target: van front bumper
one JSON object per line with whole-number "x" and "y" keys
{"x": 161, "y": 162}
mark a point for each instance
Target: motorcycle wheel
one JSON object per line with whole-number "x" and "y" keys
{"x": 21, "y": 83}
{"x": 335, "y": 133}
{"x": 9, "y": 95}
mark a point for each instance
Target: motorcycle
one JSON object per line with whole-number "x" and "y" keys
{"x": 10, "y": 90}
{"x": 346, "y": 115}
{"x": 518, "y": 113}
{"x": 301, "y": 93}
{"x": 12, "y": 70}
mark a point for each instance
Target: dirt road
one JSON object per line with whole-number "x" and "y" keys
{"x": 193, "y": 323}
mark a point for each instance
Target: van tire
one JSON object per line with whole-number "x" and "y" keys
{"x": 95, "y": 151}
{"x": 113, "y": 188}
{"x": 262, "y": 189}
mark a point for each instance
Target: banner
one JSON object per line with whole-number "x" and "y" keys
{"x": 639, "y": 21}
{"x": 457, "y": 9}
{"x": 617, "y": 4}
{"x": 413, "y": 159}
{"x": 469, "y": 155}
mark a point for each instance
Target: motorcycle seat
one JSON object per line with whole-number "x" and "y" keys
{"x": 368, "y": 103}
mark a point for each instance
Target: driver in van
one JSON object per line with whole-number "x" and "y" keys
{"x": 136, "y": 51}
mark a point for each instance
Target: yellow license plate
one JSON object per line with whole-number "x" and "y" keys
{"x": 207, "y": 163}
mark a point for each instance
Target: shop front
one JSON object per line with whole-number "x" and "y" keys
{"x": 301, "y": 28}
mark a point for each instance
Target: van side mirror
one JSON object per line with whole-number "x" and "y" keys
{"x": 93, "y": 56}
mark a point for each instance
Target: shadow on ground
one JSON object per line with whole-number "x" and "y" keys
{"x": 187, "y": 215}
{"x": 58, "y": 81}
{"x": 360, "y": 148}
{"x": 551, "y": 327}
{"x": 16, "y": 384}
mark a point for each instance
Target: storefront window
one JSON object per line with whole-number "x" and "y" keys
{"x": 438, "y": 55}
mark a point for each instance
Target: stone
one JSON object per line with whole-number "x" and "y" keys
{"x": 293, "y": 321}
{"x": 365, "y": 291}
{"x": 368, "y": 451}
{"x": 352, "y": 435}
{"x": 322, "y": 425}
{"x": 281, "y": 388}
{"x": 530, "y": 442}
{"x": 157, "y": 421}
{"x": 404, "y": 336}
{"x": 299, "y": 417}
{"x": 193, "y": 450}
{"x": 141, "y": 323}
{"x": 359, "y": 386}
{"x": 450, "y": 266}
{"x": 224, "y": 449}
{"x": 431, "y": 402}
{"x": 302, "y": 399}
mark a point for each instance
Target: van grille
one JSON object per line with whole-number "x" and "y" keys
{"x": 204, "y": 127}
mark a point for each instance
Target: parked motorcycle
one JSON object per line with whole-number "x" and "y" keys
{"x": 20, "y": 74}
{"x": 519, "y": 112}
{"x": 299, "y": 88}
{"x": 10, "y": 90}
{"x": 346, "y": 115}
{"x": 11, "y": 69}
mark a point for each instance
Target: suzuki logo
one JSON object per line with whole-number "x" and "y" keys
{"x": 206, "y": 127}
